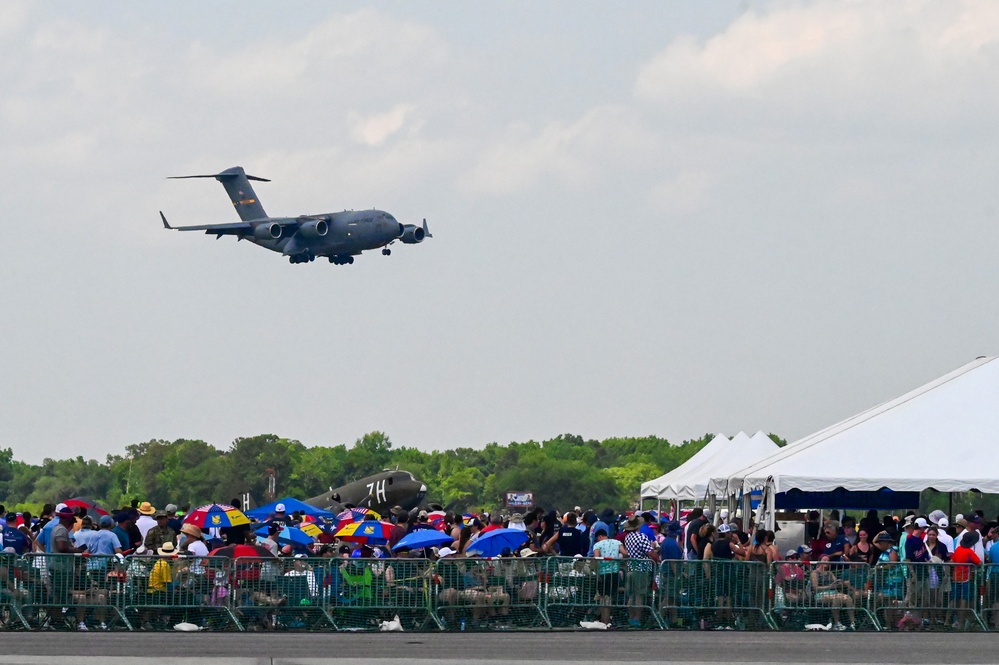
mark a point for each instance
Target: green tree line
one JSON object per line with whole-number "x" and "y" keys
{"x": 564, "y": 471}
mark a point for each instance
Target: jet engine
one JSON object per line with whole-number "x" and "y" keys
{"x": 412, "y": 234}
{"x": 271, "y": 231}
{"x": 314, "y": 229}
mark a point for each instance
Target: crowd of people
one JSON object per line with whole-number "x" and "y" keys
{"x": 831, "y": 568}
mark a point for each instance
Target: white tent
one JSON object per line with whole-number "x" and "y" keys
{"x": 941, "y": 436}
{"x": 652, "y": 488}
{"x": 742, "y": 450}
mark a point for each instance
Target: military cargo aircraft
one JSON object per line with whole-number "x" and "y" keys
{"x": 380, "y": 492}
{"x": 339, "y": 236}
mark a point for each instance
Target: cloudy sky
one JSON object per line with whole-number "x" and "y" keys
{"x": 650, "y": 218}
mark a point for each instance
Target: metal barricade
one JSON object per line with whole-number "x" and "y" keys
{"x": 12, "y": 593}
{"x": 280, "y": 594}
{"x": 928, "y": 596}
{"x": 488, "y": 594}
{"x": 362, "y": 593}
{"x": 71, "y": 591}
{"x": 621, "y": 592}
{"x": 719, "y": 594}
{"x": 989, "y": 609}
{"x": 831, "y": 595}
{"x": 160, "y": 592}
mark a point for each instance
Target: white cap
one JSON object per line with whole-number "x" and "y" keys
{"x": 723, "y": 513}
{"x": 445, "y": 551}
{"x": 279, "y": 508}
{"x": 943, "y": 523}
{"x": 60, "y": 506}
{"x": 708, "y": 513}
{"x": 724, "y": 528}
{"x": 959, "y": 517}
{"x": 921, "y": 523}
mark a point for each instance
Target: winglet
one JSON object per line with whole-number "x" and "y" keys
{"x": 166, "y": 224}
{"x": 426, "y": 231}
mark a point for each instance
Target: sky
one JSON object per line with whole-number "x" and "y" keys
{"x": 667, "y": 218}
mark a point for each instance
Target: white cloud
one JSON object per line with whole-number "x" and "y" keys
{"x": 374, "y": 129}
{"x": 834, "y": 61}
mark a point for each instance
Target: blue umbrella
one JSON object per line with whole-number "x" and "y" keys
{"x": 494, "y": 542}
{"x": 289, "y": 535}
{"x": 423, "y": 538}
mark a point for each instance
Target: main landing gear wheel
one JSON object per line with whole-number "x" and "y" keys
{"x": 302, "y": 258}
{"x": 341, "y": 260}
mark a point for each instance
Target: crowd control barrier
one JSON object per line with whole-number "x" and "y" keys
{"x": 65, "y": 592}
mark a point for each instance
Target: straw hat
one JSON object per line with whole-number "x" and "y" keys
{"x": 167, "y": 549}
{"x": 192, "y": 530}
{"x": 146, "y": 508}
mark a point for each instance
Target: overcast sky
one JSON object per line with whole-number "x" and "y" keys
{"x": 649, "y": 218}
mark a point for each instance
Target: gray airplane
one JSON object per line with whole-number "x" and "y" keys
{"x": 339, "y": 236}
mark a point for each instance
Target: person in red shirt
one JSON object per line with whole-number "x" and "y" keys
{"x": 963, "y": 580}
{"x": 495, "y": 522}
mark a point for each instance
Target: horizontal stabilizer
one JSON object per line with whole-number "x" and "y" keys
{"x": 217, "y": 176}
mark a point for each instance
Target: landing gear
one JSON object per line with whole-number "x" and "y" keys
{"x": 304, "y": 257}
{"x": 386, "y": 252}
{"x": 341, "y": 260}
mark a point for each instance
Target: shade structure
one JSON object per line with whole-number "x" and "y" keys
{"x": 493, "y": 543}
{"x": 940, "y": 436}
{"x": 368, "y": 531}
{"x": 291, "y": 505}
{"x": 652, "y": 488}
{"x": 741, "y": 450}
{"x": 423, "y": 538}
{"x": 216, "y": 515}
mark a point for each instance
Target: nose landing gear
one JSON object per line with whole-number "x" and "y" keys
{"x": 386, "y": 252}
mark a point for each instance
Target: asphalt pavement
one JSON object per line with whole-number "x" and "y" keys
{"x": 530, "y": 648}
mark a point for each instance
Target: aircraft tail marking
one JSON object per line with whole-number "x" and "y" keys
{"x": 237, "y": 185}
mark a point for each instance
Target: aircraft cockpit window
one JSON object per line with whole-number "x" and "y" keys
{"x": 390, "y": 480}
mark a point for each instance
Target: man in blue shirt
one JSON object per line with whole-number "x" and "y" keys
{"x": 604, "y": 521}
{"x": 835, "y": 542}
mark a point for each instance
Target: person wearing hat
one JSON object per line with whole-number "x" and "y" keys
{"x": 192, "y": 540}
{"x": 672, "y": 582}
{"x": 270, "y": 541}
{"x": 174, "y": 520}
{"x": 62, "y": 570}
{"x": 975, "y": 524}
{"x": 644, "y": 557}
{"x": 145, "y": 521}
{"x": 517, "y": 522}
{"x": 888, "y": 576}
{"x": 161, "y": 533}
{"x": 279, "y": 516}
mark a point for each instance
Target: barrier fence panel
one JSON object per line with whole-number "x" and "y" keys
{"x": 362, "y": 593}
{"x": 70, "y": 591}
{"x": 989, "y": 610}
{"x": 12, "y": 594}
{"x": 489, "y": 594}
{"x": 160, "y": 592}
{"x": 620, "y": 592}
{"x": 720, "y": 594}
{"x": 281, "y": 594}
{"x": 837, "y": 596}
{"x": 928, "y": 596}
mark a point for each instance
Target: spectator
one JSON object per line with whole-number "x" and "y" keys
{"x": 962, "y": 587}
{"x": 609, "y": 580}
{"x": 568, "y": 540}
{"x": 639, "y": 583}
{"x": 692, "y": 546}
{"x": 945, "y": 538}
{"x": 835, "y": 593}
{"x": 161, "y": 533}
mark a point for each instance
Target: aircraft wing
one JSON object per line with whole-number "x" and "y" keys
{"x": 229, "y": 228}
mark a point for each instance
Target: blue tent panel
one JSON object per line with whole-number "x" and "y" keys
{"x": 291, "y": 505}
{"x": 883, "y": 499}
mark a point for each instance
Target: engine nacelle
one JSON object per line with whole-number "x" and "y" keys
{"x": 268, "y": 231}
{"x": 412, "y": 234}
{"x": 314, "y": 229}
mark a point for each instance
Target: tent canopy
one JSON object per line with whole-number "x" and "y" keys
{"x": 652, "y": 488}
{"x": 291, "y": 504}
{"x": 941, "y": 436}
{"x": 689, "y": 481}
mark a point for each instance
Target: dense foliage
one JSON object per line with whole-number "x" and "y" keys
{"x": 564, "y": 471}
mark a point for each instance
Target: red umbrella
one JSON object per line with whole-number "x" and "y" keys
{"x": 236, "y": 551}
{"x": 89, "y": 507}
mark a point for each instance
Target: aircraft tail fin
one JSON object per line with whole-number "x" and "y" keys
{"x": 237, "y": 185}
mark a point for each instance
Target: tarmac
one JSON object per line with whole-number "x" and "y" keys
{"x": 528, "y": 648}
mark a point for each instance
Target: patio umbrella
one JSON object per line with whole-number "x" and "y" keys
{"x": 291, "y": 505}
{"x": 216, "y": 515}
{"x": 312, "y": 529}
{"x": 289, "y": 535}
{"x": 494, "y": 542}
{"x": 354, "y": 515}
{"x": 368, "y": 531}
{"x": 423, "y": 538}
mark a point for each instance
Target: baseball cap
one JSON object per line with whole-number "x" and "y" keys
{"x": 106, "y": 520}
{"x": 790, "y": 553}
{"x": 921, "y": 523}
{"x": 943, "y": 523}
{"x": 724, "y": 528}
{"x": 445, "y": 551}
{"x": 279, "y": 508}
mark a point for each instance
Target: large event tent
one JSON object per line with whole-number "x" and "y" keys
{"x": 940, "y": 436}
{"x": 652, "y": 488}
{"x": 742, "y": 450}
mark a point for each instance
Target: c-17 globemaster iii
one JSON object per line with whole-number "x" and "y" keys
{"x": 339, "y": 236}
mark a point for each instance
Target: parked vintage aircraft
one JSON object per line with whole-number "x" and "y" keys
{"x": 339, "y": 236}
{"x": 380, "y": 492}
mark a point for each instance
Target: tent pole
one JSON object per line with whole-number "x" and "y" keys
{"x": 950, "y": 505}
{"x": 714, "y": 513}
